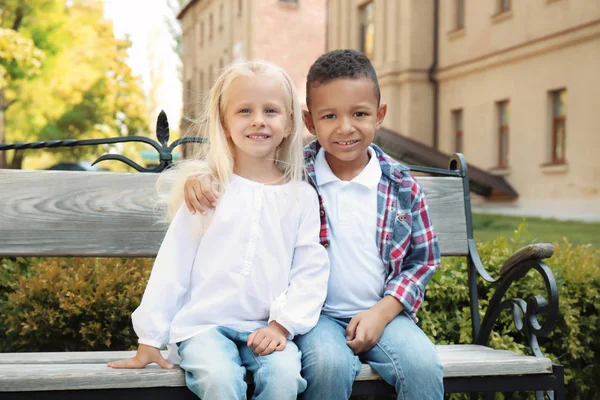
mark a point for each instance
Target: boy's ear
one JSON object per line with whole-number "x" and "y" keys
{"x": 381, "y": 112}
{"x": 308, "y": 121}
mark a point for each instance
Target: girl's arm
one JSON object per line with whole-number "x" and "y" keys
{"x": 298, "y": 309}
{"x": 169, "y": 280}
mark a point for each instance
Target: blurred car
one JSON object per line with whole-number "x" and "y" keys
{"x": 76, "y": 166}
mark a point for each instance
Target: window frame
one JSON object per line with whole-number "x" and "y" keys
{"x": 503, "y": 131}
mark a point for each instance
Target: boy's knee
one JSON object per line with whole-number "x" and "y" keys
{"x": 427, "y": 367}
{"x": 330, "y": 365}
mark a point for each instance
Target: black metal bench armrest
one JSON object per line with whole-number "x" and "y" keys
{"x": 525, "y": 313}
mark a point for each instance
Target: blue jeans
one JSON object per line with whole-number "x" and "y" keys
{"x": 215, "y": 363}
{"x": 404, "y": 357}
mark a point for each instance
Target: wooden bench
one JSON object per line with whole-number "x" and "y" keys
{"x": 107, "y": 214}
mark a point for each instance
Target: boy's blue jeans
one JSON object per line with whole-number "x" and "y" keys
{"x": 215, "y": 363}
{"x": 404, "y": 357}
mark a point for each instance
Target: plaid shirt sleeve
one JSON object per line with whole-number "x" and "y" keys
{"x": 421, "y": 260}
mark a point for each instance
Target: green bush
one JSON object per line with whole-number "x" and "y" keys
{"x": 574, "y": 342}
{"x": 71, "y": 304}
{"x": 85, "y": 304}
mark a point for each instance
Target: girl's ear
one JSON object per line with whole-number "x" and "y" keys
{"x": 290, "y": 127}
{"x": 224, "y": 126}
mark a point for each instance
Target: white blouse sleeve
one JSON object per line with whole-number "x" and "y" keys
{"x": 298, "y": 308}
{"x": 169, "y": 280}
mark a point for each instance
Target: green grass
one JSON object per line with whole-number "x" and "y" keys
{"x": 487, "y": 227}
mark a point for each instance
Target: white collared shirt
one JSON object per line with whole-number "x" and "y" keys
{"x": 259, "y": 260}
{"x": 357, "y": 276}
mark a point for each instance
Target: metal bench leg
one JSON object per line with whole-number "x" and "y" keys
{"x": 559, "y": 373}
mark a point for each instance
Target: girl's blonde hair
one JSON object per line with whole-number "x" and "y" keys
{"x": 216, "y": 159}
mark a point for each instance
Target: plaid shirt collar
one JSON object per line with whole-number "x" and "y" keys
{"x": 391, "y": 170}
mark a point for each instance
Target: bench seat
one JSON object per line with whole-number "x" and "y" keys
{"x": 88, "y": 370}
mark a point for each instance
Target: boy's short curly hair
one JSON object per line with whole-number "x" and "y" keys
{"x": 345, "y": 63}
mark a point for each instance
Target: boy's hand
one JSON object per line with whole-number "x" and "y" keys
{"x": 199, "y": 195}
{"x": 364, "y": 330}
{"x": 269, "y": 339}
{"x": 145, "y": 355}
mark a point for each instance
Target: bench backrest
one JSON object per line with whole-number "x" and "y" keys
{"x": 105, "y": 214}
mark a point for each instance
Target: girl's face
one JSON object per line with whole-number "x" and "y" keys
{"x": 256, "y": 118}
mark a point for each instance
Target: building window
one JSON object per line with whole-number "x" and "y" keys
{"x": 221, "y": 17}
{"x": 201, "y": 83}
{"x": 210, "y": 75}
{"x": 202, "y": 34}
{"x": 503, "y": 6}
{"x": 459, "y": 14}
{"x": 559, "y": 125}
{"x": 210, "y": 26}
{"x": 503, "y": 131}
{"x": 289, "y": 1}
{"x": 188, "y": 96}
{"x": 457, "y": 119}
{"x": 367, "y": 28}
{"x": 240, "y": 6}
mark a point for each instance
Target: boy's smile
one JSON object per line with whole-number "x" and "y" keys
{"x": 344, "y": 114}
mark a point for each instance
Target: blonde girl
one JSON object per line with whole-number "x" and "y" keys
{"x": 233, "y": 288}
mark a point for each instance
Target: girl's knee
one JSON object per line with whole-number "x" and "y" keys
{"x": 279, "y": 380}
{"x": 228, "y": 382}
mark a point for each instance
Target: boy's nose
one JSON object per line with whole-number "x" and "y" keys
{"x": 346, "y": 126}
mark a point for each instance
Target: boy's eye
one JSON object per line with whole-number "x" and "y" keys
{"x": 360, "y": 114}
{"x": 271, "y": 111}
{"x": 329, "y": 116}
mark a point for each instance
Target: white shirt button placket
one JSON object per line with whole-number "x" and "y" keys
{"x": 254, "y": 231}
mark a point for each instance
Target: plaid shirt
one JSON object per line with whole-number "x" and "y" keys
{"x": 405, "y": 237}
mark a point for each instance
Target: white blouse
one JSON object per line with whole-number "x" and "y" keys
{"x": 259, "y": 260}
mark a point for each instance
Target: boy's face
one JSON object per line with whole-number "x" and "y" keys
{"x": 344, "y": 115}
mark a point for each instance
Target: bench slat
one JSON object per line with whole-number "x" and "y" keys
{"x": 87, "y": 370}
{"x": 100, "y": 357}
{"x": 62, "y": 213}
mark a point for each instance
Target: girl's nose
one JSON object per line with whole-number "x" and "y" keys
{"x": 258, "y": 120}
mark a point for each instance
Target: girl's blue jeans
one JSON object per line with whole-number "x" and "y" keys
{"x": 215, "y": 364}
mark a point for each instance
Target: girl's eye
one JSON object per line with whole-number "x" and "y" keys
{"x": 244, "y": 111}
{"x": 271, "y": 111}
{"x": 329, "y": 116}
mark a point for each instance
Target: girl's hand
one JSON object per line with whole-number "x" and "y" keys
{"x": 145, "y": 355}
{"x": 269, "y": 339}
{"x": 199, "y": 195}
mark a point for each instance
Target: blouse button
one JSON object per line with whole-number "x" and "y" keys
{"x": 322, "y": 213}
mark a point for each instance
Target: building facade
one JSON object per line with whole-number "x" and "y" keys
{"x": 513, "y": 85}
{"x": 289, "y": 33}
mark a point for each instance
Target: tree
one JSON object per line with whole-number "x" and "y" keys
{"x": 85, "y": 88}
{"x": 19, "y": 57}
